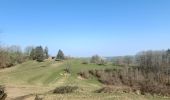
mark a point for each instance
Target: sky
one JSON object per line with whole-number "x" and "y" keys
{"x": 83, "y": 28}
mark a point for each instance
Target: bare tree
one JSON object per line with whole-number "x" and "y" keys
{"x": 28, "y": 50}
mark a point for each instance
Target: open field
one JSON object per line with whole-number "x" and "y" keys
{"x": 26, "y": 80}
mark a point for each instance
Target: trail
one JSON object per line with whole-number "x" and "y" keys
{"x": 62, "y": 80}
{"x": 24, "y": 92}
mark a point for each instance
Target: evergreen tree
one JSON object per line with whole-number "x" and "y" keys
{"x": 32, "y": 54}
{"x": 60, "y": 55}
{"x": 46, "y": 52}
{"x": 39, "y": 53}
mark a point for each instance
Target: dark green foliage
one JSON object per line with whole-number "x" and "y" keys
{"x": 37, "y": 54}
{"x": 60, "y": 55}
{"x": 65, "y": 89}
{"x": 95, "y": 59}
{"x": 32, "y": 54}
{"x": 58, "y": 60}
{"x": 46, "y": 53}
{"x": 102, "y": 62}
{"x": 85, "y": 62}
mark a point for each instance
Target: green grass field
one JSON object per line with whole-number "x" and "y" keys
{"x": 39, "y": 78}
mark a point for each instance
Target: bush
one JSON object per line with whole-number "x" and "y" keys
{"x": 68, "y": 67}
{"x": 102, "y": 62}
{"x": 38, "y": 98}
{"x": 58, "y": 60}
{"x": 99, "y": 73}
{"x": 3, "y": 95}
{"x": 95, "y": 59}
{"x": 154, "y": 88}
{"x": 65, "y": 89}
{"x": 136, "y": 79}
{"x": 84, "y": 74}
{"x": 85, "y": 62}
{"x": 104, "y": 90}
{"x": 92, "y": 72}
{"x": 67, "y": 70}
{"x": 110, "y": 89}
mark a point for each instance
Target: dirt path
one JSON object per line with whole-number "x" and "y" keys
{"x": 25, "y": 92}
{"x": 61, "y": 80}
{"x": 29, "y": 92}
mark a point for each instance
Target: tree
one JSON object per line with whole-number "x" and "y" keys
{"x": 10, "y": 56}
{"x": 46, "y": 52}
{"x": 60, "y": 55}
{"x": 28, "y": 50}
{"x": 39, "y": 53}
{"x": 95, "y": 59}
{"x": 4, "y": 59}
{"x": 32, "y": 54}
{"x": 16, "y": 55}
{"x": 128, "y": 60}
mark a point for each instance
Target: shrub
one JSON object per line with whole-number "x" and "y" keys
{"x": 109, "y": 78}
{"x": 110, "y": 89}
{"x": 102, "y": 62}
{"x": 92, "y": 72}
{"x": 38, "y": 98}
{"x": 95, "y": 59}
{"x": 85, "y": 62}
{"x": 138, "y": 80}
{"x": 58, "y": 60}
{"x": 105, "y": 90}
{"x": 68, "y": 67}
{"x": 84, "y": 74}
{"x": 154, "y": 88}
{"x": 67, "y": 70}
{"x": 65, "y": 89}
{"x": 99, "y": 73}
{"x": 3, "y": 95}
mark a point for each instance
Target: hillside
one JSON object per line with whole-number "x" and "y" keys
{"x": 24, "y": 81}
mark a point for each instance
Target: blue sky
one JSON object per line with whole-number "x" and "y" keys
{"x": 87, "y": 27}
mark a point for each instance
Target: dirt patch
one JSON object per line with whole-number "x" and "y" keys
{"x": 25, "y": 92}
{"x": 25, "y": 97}
{"x": 81, "y": 78}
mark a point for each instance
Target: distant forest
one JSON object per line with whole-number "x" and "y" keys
{"x": 13, "y": 55}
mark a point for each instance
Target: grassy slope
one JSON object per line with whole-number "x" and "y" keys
{"x": 51, "y": 74}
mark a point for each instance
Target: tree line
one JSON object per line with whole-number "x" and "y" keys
{"x": 12, "y": 55}
{"x": 145, "y": 72}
